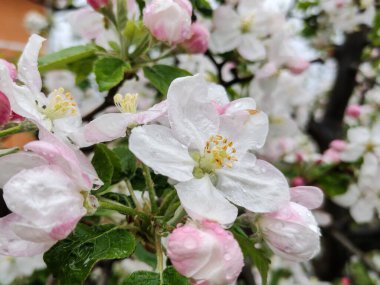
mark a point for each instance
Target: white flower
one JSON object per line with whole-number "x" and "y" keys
{"x": 206, "y": 151}
{"x": 57, "y": 112}
{"x": 246, "y": 28}
{"x": 360, "y": 141}
{"x": 363, "y": 198}
{"x": 14, "y": 267}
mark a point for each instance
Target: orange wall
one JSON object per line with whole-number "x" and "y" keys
{"x": 12, "y": 14}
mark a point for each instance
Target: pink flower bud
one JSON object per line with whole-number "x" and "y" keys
{"x": 298, "y": 66}
{"x": 338, "y": 145}
{"x": 292, "y": 232}
{"x": 345, "y": 281}
{"x": 353, "y": 111}
{"x": 97, "y": 4}
{"x": 5, "y": 109}
{"x": 331, "y": 156}
{"x": 169, "y": 20}
{"x": 298, "y": 181}
{"x": 206, "y": 253}
{"x": 198, "y": 42}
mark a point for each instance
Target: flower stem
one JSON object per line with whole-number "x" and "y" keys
{"x": 112, "y": 205}
{"x": 133, "y": 196}
{"x": 150, "y": 185}
{"x": 159, "y": 254}
{"x": 11, "y": 131}
{"x": 178, "y": 215}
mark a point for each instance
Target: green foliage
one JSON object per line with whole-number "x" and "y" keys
{"x": 258, "y": 256}
{"x": 145, "y": 256}
{"x": 170, "y": 277}
{"x": 107, "y": 165}
{"x": 60, "y": 59}
{"x": 82, "y": 68}
{"x": 374, "y": 35}
{"x": 332, "y": 179}
{"x": 136, "y": 34}
{"x": 162, "y": 75}
{"x": 306, "y": 4}
{"x": 127, "y": 160}
{"x": 203, "y": 6}
{"x": 109, "y": 71}
{"x": 359, "y": 274}
{"x": 72, "y": 259}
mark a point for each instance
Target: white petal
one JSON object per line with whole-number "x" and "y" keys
{"x": 28, "y": 64}
{"x": 218, "y": 94}
{"x": 40, "y": 194}
{"x": 359, "y": 135}
{"x": 21, "y": 98}
{"x": 362, "y": 211}
{"x": 225, "y": 37}
{"x": 156, "y": 146}
{"x": 70, "y": 159}
{"x": 352, "y": 152}
{"x": 308, "y": 196}
{"x": 247, "y": 131}
{"x": 255, "y": 185}
{"x": 13, "y": 245}
{"x": 251, "y": 48}
{"x": 349, "y": 198}
{"x": 192, "y": 116}
{"x": 13, "y": 163}
{"x": 202, "y": 201}
{"x": 108, "y": 127}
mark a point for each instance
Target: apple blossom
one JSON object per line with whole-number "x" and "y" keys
{"x": 360, "y": 141}
{"x": 57, "y": 112}
{"x": 205, "y": 253}
{"x": 206, "y": 151}
{"x": 253, "y": 21}
{"x": 198, "y": 42}
{"x": 292, "y": 232}
{"x": 362, "y": 197}
{"x": 37, "y": 185}
{"x": 169, "y": 20}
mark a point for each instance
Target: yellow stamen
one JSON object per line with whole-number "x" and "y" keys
{"x": 60, "y": 104}
{"x": 126, "y": 103}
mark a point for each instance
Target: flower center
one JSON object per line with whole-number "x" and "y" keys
{"x": 217, "y": 153}
{"x": 246, "y": 23}
{"x": 60, "y": 105}
{"x": 126, "y": 103}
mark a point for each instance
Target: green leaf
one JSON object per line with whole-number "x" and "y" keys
{"x": 60, "y": 59}
{"x": 145, "y": 256}
{"x": 127, "y": 160}
{"x": 109, "y": 72}
{"x": 162, "y": 75}
{"x": 142, "y": 278}
{"x": 72, "y": 259}
{"x": 170, "y": 277}
{"x": 107, "y": 166}
{"x": 121, "y": 17}
{"x": 203, "y": 6}
{"x": 258, "y": 256}
{"x": 82, "y": 68}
